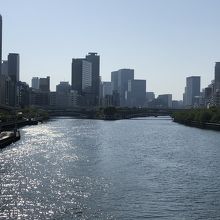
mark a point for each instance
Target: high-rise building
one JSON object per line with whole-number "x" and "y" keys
{"x": 35, "y": 83}
{"x": 53, "y": 99}
{"x": 81, "y": 75}
{"x": 114, "y": 80}
{"x": 62, "y": 92}
{"x": 217, "y": 76}
{"x": 192, "y": 91}
{"x": 94, "y": 59}
{"x": 13, "y": 73}
{"x": 0, "y": 43}
{"x": 5, "y": 89}
{"x": 23, "y": 94}
{"x": 115, "y": 90}
{"x": 86, "y": 77}
{"x": 165, "y": 100}
{"x": 150, "y": 96}
{"x": 106, "y": 89}
{"x": 13, "y": 66}
{"x": 123, "y": 76}
{"x": 184, "y": 97}
{"x": 44, "y": 84}
{"x": 39, "y": 98}
{"x": 106, "y": 94}
{"x": 5, "y": 67}
{"x": 119, "y": 80}
{"x": 73, "y": 99}
{"x": 177, "y": 104}
{"x": 77, "y": 75}
{"x": 136, "y": 94}
{"x": 63, "y": 87}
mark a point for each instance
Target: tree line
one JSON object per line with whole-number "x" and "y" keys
{"x": 211, "y": 115}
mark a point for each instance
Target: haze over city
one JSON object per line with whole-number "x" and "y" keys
{"x": 163, "y": 41}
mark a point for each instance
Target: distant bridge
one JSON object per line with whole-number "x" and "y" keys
{"x": 93, "y": 111}
{"x": 146, "y": 112}
{"x": 71, "y": 112}
{"x": 121, "y": 112}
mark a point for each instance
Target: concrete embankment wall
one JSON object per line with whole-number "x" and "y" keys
{"x": 13, "y": 124}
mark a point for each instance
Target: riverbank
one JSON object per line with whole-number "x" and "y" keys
{"x": 9, "y": 133}
{"x": 21, "y": 117}
{"x": 9, "y": 137}
{"x": 202, "y": 125}
{"x": 21, "y": 123}
{"x": 200, "y": 118}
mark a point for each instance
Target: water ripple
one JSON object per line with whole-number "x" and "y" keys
{"x": 130, "y": 169}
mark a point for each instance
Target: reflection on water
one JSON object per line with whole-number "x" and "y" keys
{"x": 128, "y": 169}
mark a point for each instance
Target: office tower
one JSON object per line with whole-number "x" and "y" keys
{"x": 53, "y": 99}
{"x": 165, "y": 100}
{"x": 13, "y": 66}
{"x": 5, "y": 89}
{"x": 177, "y": 104}
{"x": 81, "y": 75}
{"x": 44, "y": 84}
{"x": 123, "y": 76}
{"x": 77, "y": 75}
{"x": 150, "y": 96}
{"x": 106, "y": 89}
{"x": 40, "y": 92}
{"x": 5, "y": 67}
{"x": 0, "y": 44}
{"x": 39, "y": 98}
{"x": 23, "y": 96}
{"x": 62, "y": 92}
{"x": 13, "y": 73}
{"x": 73, "y": 99}
{"x": 184, "y": 97}
{"x": 115, "y": 92}
{"x": 87, "y": 77}
{"x": 89, "y": 97}
{"x": 106, "y": 95}
{"x": 217, "y": 76}
{"x": 136, "y": 94}
{"x": 192, "y": 90}
{"x": 114, "y": 80}
{"x": 209, "y": 95}
{"x": 35, "y": 83}
{"x": 217, "y": 84}
{"x": 63, "y": 87}
{"x": 94, "y": 59}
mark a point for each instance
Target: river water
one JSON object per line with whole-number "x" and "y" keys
{"x": 150, "y": 168}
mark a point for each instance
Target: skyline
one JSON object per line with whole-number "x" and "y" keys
{"x": 150, "y": 32}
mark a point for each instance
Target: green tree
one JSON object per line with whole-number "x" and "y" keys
{"x": 110, "y": 110}
{"x": 205, "y": 116}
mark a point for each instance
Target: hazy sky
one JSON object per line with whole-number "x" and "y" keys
{"x": 164, "y": 41}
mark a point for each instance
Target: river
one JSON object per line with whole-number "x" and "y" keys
{"x": 149, "y": 168}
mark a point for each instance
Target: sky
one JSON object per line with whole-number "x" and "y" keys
{"x": 164, "y": 41}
